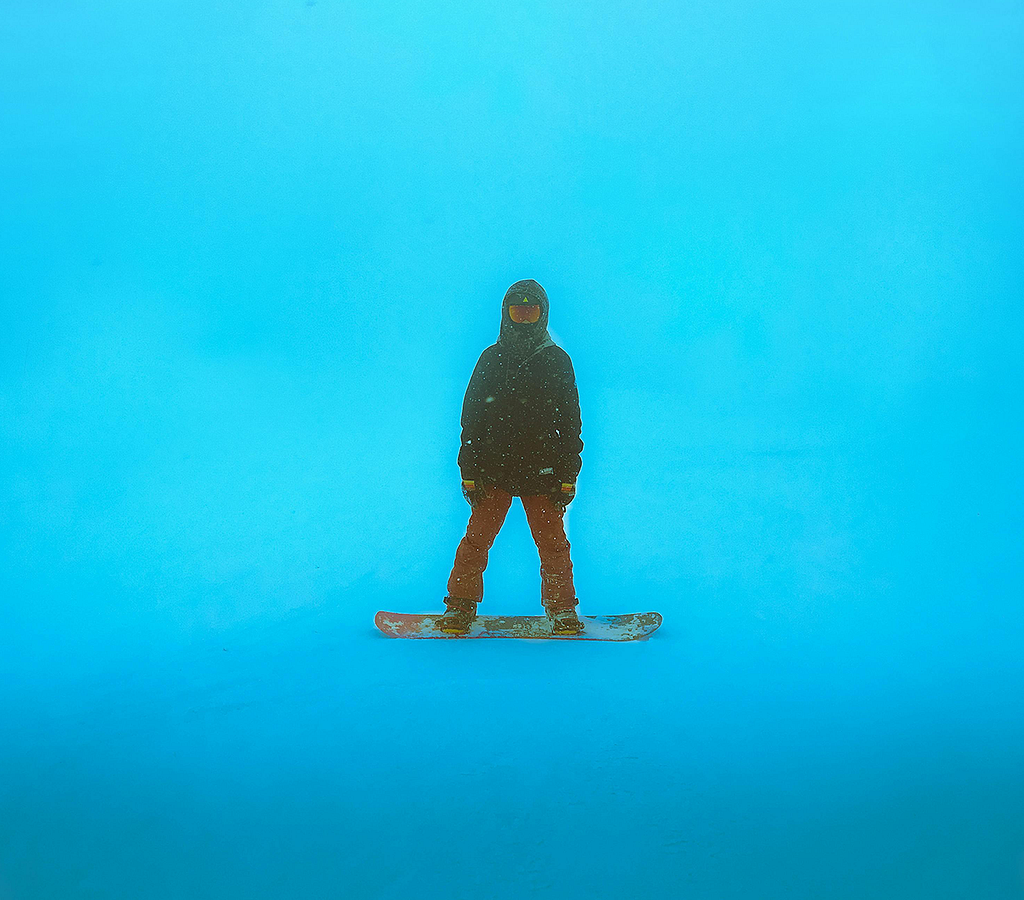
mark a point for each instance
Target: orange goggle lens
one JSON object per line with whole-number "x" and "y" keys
{"x": 524, "y": 312}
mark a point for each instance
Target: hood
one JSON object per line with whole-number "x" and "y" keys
{"x": 525, "y": 339}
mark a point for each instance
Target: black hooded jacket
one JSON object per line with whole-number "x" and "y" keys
{"x": 521, "y": 415}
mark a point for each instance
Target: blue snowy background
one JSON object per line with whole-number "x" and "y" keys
{"x": 249, "y": 254}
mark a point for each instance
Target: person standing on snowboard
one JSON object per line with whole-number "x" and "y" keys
{"x": 520, "y": 438}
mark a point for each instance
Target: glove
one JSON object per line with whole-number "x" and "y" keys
{"x": 473, "y": 492}
{"x": 563, "y": 495}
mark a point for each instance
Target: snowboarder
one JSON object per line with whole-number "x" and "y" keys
{"x": 520, "y": 438}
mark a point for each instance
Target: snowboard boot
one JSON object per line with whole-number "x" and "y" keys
{"x": 564, "y": 620}
{"x": 458, "y": 616}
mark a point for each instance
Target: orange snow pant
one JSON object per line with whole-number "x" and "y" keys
{"x": 545, "y": 518}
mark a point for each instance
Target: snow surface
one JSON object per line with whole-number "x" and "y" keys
{"x": 250, "y": 254}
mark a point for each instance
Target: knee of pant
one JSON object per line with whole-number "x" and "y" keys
{"x": 480, "y": 543}
{"x": 552, "y": 544}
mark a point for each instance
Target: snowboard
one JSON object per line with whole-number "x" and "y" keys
{"x": 630, "y": 627}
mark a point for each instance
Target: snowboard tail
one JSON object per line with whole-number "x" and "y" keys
{"x": 629, "y": 627}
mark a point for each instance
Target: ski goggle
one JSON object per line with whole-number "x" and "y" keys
{"x": 524, "y": 312}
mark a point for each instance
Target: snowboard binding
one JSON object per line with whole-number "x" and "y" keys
{"x": 458, "y": 616}
{"x": 564, "y": 620}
